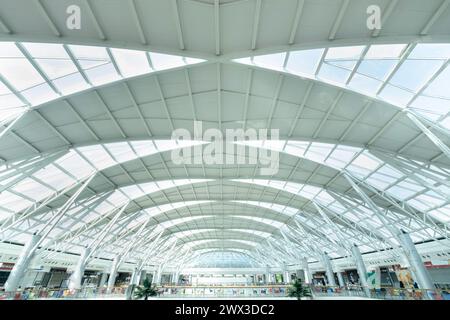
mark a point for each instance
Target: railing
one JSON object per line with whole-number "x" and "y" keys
{"x": 85, "y": 293}
{"x": 224, "y": 291}
{"x": 384, "y": 293}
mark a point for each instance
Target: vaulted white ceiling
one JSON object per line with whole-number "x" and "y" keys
{"x": 87, "y": 115}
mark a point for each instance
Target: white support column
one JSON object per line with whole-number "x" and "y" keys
{"x": 287, "y": 276}
{"x": 329, "y": 270}
{"x": 142, "y": 277}
{"x": 134, "y": 277}
{"x": 154, "y": 277}
{"x": 340, "y": 279}
{"x": 21, "y": 266}
{"x": 158, "y": 276}
{"x": 360, "y": 266}
{"x": 135, "y": 274}
{"x": 267, "y": 275}
{"x": 113, "y": 274}
{"x": 103, "y": 279}
{"x": 416, "y": 264}
{"x": 306, "y": 271}
{"x": 77, "y": 275}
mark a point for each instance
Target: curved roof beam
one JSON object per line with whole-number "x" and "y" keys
{"x": 223, "y": 244}
{"x": 163, "y": 212}
{"x": 277, "y": 185}
{"x": 319, "y": 153}
{"x": 198, "y": 253}
{"x": 60, "y": 71}
{"x": 351, "y": 63}
{"x": 324, "y": 152}
{"x": 317, "y": 225}
{"x": 217, "y": 233}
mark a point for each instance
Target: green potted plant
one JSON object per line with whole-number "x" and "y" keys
{"x": 298, "y": 290}
{"x": 145, "y": 291}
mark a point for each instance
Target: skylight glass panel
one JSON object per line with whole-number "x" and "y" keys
{"x": 40, "y": 94}
{"x": 164, "y": 61}
{"x": 365, "y": 84}
{"x": 318, "y": 151}
{"x": 344, "y": 64}
{"x": 345, "y": 53}
{"x": 13, "y": 202}
{"x": 131, "y": 62}
{"x": 189, "y": 60}
{"x": 32, "y": 189}
{"x": 341, "y": 156}
{"x": 396, "y": 95}
{"x": 171, "y": 223}
{"x": 75, "y": 164}
{"x": 54, "y": 68}
{"x": 441, "y": 214}
{"x": 439, "y": 86}
{"x": 104, "y": 207}
{"x": 5, "y": 214}
{"x": 419, "y": 205}
{"x": 247, "y": 60}
{"x": 431, "y": 198}
{"x": 102, "y": 74}
{"x": 273, "y": 144}
{"x": 296, "y": 148}
{"x": 324, "y": 197}
{"x": 377, "y": 69}
{"x": 9, "y": 101}
{"x": 133, "y": 192}
{"x": 120, "y": 151}
{"x": 97, "y": 156}
{"x": 413, "y": 74}
{"x": 446, "y": 123}
{"x": 143, "y": 147}
{"x": 309, "y": 192}
{"x": 54, "y": 177}
{"x": 20, "y": 73}
{"x": 431, "y": 107}
{"x": 304, "y": 62}
{"x": 385, "y": 51}
{"x": 10, "y": 50}
{"x": 405, "y": 189}
{"x": 431, "y": 51}
{"x": 380, "y": 181}
{"x": 71, "y": 83}
{"x": 271, "y": 61}
{"x": 366, "y": 161}
{"x": 89, "y": 52}
{"x": 333, "y": 74}
{"x": 45, "y": 50}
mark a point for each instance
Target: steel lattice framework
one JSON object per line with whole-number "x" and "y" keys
{"x": 86, "y": 118}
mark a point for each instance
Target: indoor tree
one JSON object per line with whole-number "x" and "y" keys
{"x": 145, "y": 291}
{"x": 298, "y": 290}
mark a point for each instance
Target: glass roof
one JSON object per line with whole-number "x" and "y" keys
{"x": 410, "y": 76}
{"x": 424, "y": 188}
{"x": 401, "y": 178}
{"x": 74, "y": 166}
{"x": 223, "y": 259}
{"x": 35, "y": 73}
{"x": 413, "y": 76}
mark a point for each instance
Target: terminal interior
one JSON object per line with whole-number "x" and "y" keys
{"x": 341, "y": 179}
